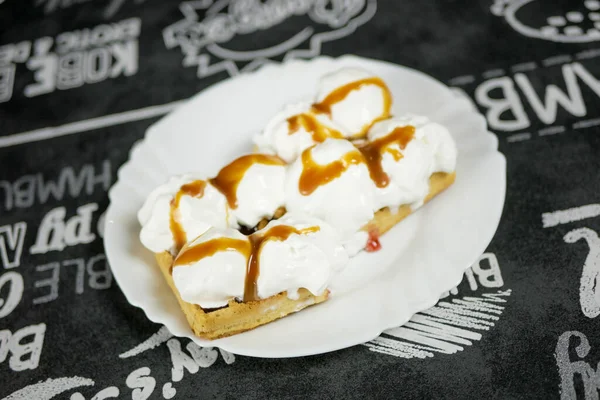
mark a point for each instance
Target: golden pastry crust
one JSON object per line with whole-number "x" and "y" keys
{"x": 238, "y": 317}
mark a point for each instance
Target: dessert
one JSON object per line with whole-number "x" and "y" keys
{"x": 266, "y": 236}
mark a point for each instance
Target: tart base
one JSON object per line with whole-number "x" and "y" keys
{"x": 239, "y": 317}
{"x": 236, "y": 317}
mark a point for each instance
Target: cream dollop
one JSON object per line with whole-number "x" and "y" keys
{"x": 346, "y": 202}
{"x": 306, "y": 260}
{"x": 431, "y": 150}
{"x": 195, "y": 214}
{"x": 288, "y": 142}
{"x": 212, "y": 281}
{"x": 361, "y": 107}
{"x": 260, "y": 193}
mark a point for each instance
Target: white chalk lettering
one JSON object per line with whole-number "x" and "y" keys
{"x": 141, "y": 382}
{"x": 55, "y": 234}
{"x": 490, "y": 277}
{"x": 99, "y": 279}
{"x": 589, "y": 286}
{"x": 78, "y": 228}
{"x": 97, "y": 65}
{"x": 567, "y": 369}
{"x": 505, "y": 109}
{"x": 160, "y": 337}
{"x": 98, "y": 36}
{"x": 24, "y": 355}
{"x": 51, "y": 282}
{"x": 228, "y": 357}
{"x": 75, "y": 184}
{"x": 587, "y": 78}
{"x": 80, "y": 57}
{"x": 168, "y": 391}
{"x": 22, "y": 193}
{"x": 45, "y": 68}
{"x": 49, "y": 389}
{"x": 11, "y": 244}
{"x": 42, "y": 46}
{"x": 74, "y": 69}
{"x": 204, "y": 356}
{"x": 180, "y": 361}
{"x": 15, "y": 292}
{"x": 97, "y": 269}
{"x": 51, "y": 232}
{"x": 110, "y": 392}
{"x": 126, "y": 57}
{"x": 4, "y": 343}
{"x": 7, "y": 81}
{"x": 569, "y": 215}
{"x": 546, "y": 112}
{"x": 496, "y": 107}
{"x": 70, "y": 71}
{"x": 79, "y": 263}
{"x": 15, "y": 53}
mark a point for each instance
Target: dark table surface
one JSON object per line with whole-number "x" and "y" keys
{"x": 81, "y": 81}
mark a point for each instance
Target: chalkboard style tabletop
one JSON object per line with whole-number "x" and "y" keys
{"x": 82, "y": 80}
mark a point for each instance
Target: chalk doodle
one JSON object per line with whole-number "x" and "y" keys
{"x": 452, "y": 324}
{"x": 203, "y": 40}
{"x": 579, "y": 23}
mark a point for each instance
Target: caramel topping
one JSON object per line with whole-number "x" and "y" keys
{"x": 278, "y": 233}
{"x": 315, "y": 175}
{"x": 228, "y": 178}
{"x": 251, "y": 249}
{"x": 340, "y": 93}
{"x": 210, "y": 248}
{"x": 194, "y": 189}
{"x": 311, "y": 124}
{"x": 373, "y": 152}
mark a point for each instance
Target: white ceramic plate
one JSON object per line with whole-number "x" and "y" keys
{"x": 421, "y": 258}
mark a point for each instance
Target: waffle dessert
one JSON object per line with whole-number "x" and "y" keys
{"x": 238, "y": 317}
{"x": 325, "y": 181}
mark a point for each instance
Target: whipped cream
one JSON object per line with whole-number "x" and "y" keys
{"x": 212, "y": 281}
{"x": 361, "y": 107}
{"x": 283, "y": 139}
{"x": 307, "y": 260}
{"x": 431, "y": 150}
{"x": 195, "y": 214}
{"x": 260, "y": 193}
{"x": 346, "y": 202}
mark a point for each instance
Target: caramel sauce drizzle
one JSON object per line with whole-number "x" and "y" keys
{"x": 340, "y": 93}
{"x": 229, "y": 177}
{"x": 315, "y": 175}
{"x": 194, "y": 189}
{"x": 257, "y": 240}
{"x": 373, "y": 152}
{"x": 210, "y": 248}
{"x": 317, "y": 130}
{"x": 251, "y": 249}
